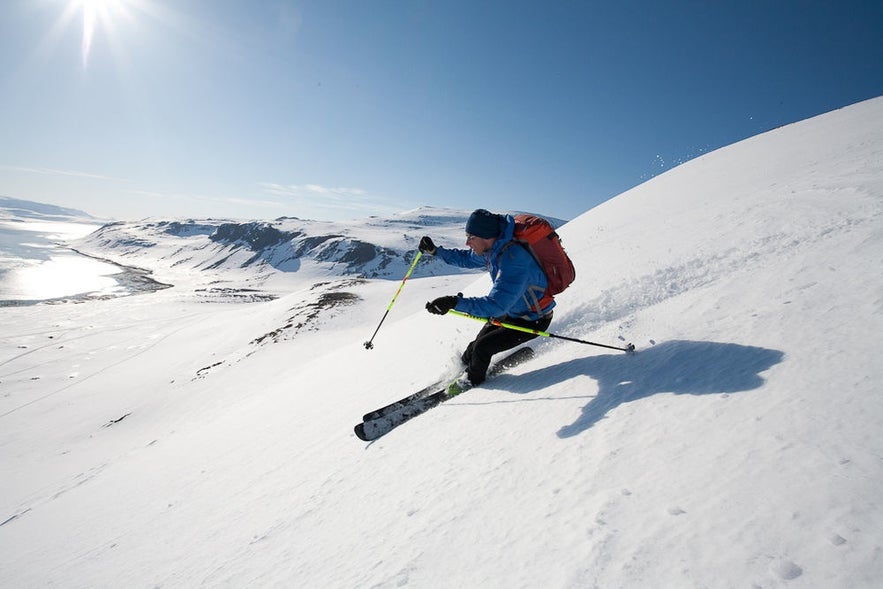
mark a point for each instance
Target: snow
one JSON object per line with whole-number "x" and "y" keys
{"x": 161, "y": 440}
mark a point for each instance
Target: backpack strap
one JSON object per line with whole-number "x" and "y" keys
{"x": 537, "y": 303}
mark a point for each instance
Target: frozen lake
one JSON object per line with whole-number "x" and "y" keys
{"x": 35, "y": 266}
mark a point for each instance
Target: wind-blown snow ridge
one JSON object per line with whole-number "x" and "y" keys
{"x": 158, "y": 440}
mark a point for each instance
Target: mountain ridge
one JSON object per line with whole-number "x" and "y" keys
{"x": 254, "y": 253}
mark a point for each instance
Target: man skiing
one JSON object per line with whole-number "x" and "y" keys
{"x": 516, "y": 297}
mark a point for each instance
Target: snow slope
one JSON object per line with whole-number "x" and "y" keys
{"x": 161, "y": 441}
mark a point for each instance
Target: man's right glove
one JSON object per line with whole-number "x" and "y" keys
{"x": 426, "y": 246}
{"x": 442, "y": 305}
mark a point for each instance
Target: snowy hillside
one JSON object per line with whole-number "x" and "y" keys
{"x": 158, "y": 440}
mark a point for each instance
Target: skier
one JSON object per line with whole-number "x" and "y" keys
{"x": 515, "y": 297}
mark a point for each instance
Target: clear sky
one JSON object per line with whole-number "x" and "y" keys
{"x": 338, "y": 109}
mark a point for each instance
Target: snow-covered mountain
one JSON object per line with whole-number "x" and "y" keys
{"x": 157, "y": 440}
{"x": 369, "y": 249}
{"x": 269, "y": 257}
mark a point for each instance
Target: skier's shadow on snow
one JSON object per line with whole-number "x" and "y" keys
{"x": 678, "y": 367}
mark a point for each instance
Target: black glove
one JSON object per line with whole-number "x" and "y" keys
{"x": 442, "y": 305}
{"x": 426, "y": 246}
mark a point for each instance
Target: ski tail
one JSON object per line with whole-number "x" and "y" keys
{"x": 511, "y": 361}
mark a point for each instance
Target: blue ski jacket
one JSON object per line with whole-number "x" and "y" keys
{"x": 518, "y": 280}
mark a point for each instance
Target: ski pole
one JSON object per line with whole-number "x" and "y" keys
{"x": 368, "y": 344}
{"x": 630, "y": 348}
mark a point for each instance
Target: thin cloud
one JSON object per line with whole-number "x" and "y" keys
{"x": 311, "y": 191}
{"x": 211, "y": 199}
{"x": 55, "y": 172}
{"x": 317, "y": 197}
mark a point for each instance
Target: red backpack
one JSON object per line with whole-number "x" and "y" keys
{"x": 539, "y": 238}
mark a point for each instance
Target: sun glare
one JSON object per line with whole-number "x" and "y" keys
{"x": 97, "y": 13}
{"x": 107, "y": 25}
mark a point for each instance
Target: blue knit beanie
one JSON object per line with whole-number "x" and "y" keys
{"x": 484, "y": 224}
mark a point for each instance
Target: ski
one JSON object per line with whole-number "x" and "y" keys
{"x": 516, "y": 357}
{"x": 385, "y": 419}
{"x": 370, "y": 430}
{"x": 425, "y": 392}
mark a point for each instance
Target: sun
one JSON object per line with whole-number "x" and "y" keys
{"x": 98, "y": 13}
{"x": 108, "y": 25}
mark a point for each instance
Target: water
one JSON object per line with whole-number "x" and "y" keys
{"x": 35, "y": 268}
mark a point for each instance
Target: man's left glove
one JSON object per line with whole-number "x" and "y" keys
{"x": 442, "y": 305}
{"x": 426, "y": 246}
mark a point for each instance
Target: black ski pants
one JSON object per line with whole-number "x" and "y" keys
{"x": 493, "y": 339}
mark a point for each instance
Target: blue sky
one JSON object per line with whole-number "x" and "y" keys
{"x": 340, "y": 109}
